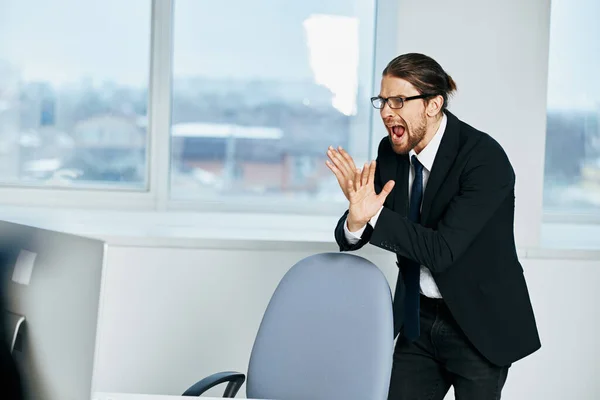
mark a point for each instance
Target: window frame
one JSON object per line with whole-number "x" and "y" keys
{"x": 570, "y": 216}
{"x": 156, "y": 196}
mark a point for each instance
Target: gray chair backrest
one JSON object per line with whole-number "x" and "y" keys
{"x": 327, "y": 333}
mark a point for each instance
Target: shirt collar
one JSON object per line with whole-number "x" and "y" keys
{"x": 427, "y": 155}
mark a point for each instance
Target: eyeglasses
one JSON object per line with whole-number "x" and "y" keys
{"x": 395, "y": 102}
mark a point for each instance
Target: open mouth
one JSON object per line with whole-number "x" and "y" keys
{"x": 397, "y": 133}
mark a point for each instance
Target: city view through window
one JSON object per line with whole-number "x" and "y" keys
{"x": 254, "y": 101}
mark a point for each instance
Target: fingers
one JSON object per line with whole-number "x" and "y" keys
{"x": 357, "y": 179}
{"x": 338, "y": 174}
{"x": 365, "y": 175}
{"x": 346, "y": 156}
{"x": 372, "y": 167}
{"x": 386, "y": 190}
{"x": 350, "y": 187}
{"x": 341, "y": 163}
{"x": 332, "y": 167}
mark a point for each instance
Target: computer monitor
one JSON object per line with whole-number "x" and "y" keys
{"x": 53, "y": 281}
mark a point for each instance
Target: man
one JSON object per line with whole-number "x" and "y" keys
{"x": 441, "y": 197}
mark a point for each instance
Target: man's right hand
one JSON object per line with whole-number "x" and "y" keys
{"x": 342, "y": 166}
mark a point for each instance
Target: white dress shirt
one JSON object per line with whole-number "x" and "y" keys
{"x": 426, "y": 157}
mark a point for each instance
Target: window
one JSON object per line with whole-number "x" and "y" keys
{"x": 74, "y": 93}
{"x": 179, "y": 104}
{"x": 572, "y": 168}
{"x": 260, "y": 89}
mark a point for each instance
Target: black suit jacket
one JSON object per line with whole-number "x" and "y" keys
{"x": 466, "y": 238}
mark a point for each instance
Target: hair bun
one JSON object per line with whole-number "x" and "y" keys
{"x": 451, "y": 83}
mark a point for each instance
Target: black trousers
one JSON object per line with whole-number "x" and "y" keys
{"x": 441, "y": 357}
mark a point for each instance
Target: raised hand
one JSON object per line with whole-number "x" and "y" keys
{"x": 343, "y": 167}
{"x": 364, "y": 201}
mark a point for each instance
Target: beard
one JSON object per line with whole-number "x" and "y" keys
{"x": 414, "y": 135}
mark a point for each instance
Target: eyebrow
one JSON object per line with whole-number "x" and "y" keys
{"x": 395, "y": 95}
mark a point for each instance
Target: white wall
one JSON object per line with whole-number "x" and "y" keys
{"x": 497, "y": 52}
{"x": 171, "y": 316}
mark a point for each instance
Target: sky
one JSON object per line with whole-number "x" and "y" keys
{"x": 64, "y": 40}
{"x": 574, "y": 60}
{"x": 61, "y": 39}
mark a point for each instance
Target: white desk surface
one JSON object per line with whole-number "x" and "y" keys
{"x": 135, "y": 396}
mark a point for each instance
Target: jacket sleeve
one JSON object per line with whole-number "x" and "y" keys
{"x": 340, "y": 235}
{"x": 487, "y": 180}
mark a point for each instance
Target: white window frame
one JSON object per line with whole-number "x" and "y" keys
{"x": 156, "y": 197}
{"x": 571, "y": 216}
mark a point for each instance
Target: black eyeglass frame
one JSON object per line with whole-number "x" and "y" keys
{"x": 385, "y": 100}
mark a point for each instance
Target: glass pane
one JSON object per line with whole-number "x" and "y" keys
{"x": 572, "y": 170}
{"x": 74, "y": 92}
{"x": 261, "y": 89}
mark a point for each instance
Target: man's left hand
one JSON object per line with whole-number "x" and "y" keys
{"x": 364, "y": 202}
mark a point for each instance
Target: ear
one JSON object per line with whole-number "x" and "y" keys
{"x": 434, "y": 105}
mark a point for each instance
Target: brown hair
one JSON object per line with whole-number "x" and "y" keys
{"x": 424, "y": 73}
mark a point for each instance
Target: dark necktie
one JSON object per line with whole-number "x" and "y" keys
{"x": 413, "y": 269}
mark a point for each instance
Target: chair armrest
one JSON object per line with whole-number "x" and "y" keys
{"x": 235, "y": 379}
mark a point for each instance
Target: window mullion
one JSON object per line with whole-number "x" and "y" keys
{"x": 160, "y": 101}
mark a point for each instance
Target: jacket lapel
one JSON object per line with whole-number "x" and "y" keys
{"x": 441, "y": 165}
{"x": 400, "y": 191}
{"x": 395, "y": 167}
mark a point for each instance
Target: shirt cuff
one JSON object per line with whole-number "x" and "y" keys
{"x": 373, "y": 220}
{"x": 353, "y": 237}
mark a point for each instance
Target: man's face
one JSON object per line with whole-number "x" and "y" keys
{"x": 406, "y": 126}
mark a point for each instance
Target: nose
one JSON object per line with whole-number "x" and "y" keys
{"x": 386, "y": 111}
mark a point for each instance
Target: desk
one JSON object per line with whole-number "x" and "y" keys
{"x": 135, "y": 396}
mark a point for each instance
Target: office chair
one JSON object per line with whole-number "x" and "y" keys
{"x": 327, "y": 333}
